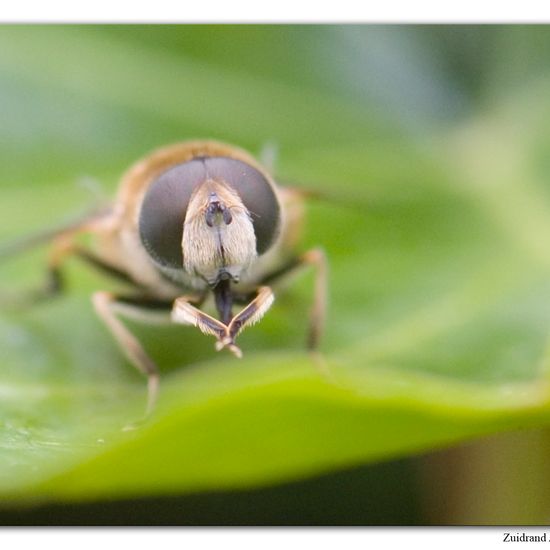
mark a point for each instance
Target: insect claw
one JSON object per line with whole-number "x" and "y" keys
{"x": 228, "y": 343}
{"x": 235, "y": 350}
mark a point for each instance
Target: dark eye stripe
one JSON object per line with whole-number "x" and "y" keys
{"x": 165, "y": 204}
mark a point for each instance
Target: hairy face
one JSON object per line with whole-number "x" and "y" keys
{"x": 218, "y": 235}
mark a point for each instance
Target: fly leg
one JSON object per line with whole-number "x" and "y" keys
{"x": 54, "y": 283}
{"x": 248, "y": 316}
{"x": 185, "y": 313}
{"x": 108, "y": 306}
{"x": 64, "y": 245}
{"x": 315, "y": 258}
{"x": 61, "y": 251}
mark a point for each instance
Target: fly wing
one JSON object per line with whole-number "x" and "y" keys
{"x": 82, "y": 222}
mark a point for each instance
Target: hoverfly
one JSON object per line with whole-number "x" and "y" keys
{"x": 192, "y": 221}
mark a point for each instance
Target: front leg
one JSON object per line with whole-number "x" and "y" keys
{"x": 248, "y": 316}
{"x": 184, "y": 313}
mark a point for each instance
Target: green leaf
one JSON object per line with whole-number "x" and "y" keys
{"x": 440, "y": 272}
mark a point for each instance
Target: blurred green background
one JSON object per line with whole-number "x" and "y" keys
{"x": 430, "y": 147}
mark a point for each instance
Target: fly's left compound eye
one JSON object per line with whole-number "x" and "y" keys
{"x": 165, "y": 204}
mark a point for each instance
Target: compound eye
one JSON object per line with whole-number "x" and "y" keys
{"x": 163, "y": 212}
{"x": 256, "y": 193}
